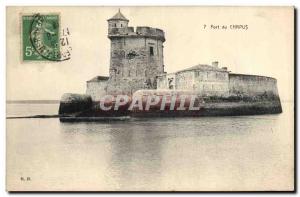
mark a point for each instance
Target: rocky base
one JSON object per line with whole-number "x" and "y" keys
{"x": 219, "y": 109}
{"x": 74, "y": 104}
{"x": 74, "y": 107}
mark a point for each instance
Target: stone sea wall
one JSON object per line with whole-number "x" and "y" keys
{"x": 251, "y": 85}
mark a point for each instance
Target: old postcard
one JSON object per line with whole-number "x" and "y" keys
{"x": 150, "y": 98}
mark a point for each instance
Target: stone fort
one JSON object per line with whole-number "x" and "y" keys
{"x": 136, "y": 63}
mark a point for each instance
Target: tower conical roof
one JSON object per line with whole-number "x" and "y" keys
{"x": 118, "y": 16}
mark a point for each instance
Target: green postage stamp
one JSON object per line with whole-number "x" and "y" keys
{"x": 41, "y": 37}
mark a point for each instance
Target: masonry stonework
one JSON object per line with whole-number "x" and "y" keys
{"x": 209, "y": 80}
{"x": 206, "y": 80}
{"x": 97, "y": 87}
{"x": 252, "y": 85}
{"x": 136, "y": 56}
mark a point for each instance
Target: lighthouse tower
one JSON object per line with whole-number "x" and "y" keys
{"x": 136, "y": 57}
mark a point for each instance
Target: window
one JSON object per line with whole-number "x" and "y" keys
{"x": 151, "y": 51}
{"x": 121, "y": 25}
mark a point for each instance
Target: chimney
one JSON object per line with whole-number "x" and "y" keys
{"x": 215, "y": 63}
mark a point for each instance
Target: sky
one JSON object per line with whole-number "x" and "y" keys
{"x": 265, "y": 48}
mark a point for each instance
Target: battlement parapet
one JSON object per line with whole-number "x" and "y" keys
{"x": 149, "y": 31}
{"x": 140, "y": 32}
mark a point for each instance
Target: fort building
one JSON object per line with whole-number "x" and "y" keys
{"x": 136, "y": 58}
{"x": 210, "y": 80}
{"x": 136, "y": 63}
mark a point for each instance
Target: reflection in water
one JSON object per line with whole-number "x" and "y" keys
{"x": 134, "y": 147}
{"x": 207, "y": 153}
{"x": 136, "y": 157}
{"x": 157, "y": 153}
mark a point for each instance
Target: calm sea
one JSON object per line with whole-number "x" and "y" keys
{"x": 207, "y": 153}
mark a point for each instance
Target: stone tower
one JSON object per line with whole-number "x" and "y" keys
{"x": 136, "y": 57}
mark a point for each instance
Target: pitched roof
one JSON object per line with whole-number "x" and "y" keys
{"x": 203, "y": 67}
{"x": 118, "y": 16}
{"x": 98, "y": 78}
